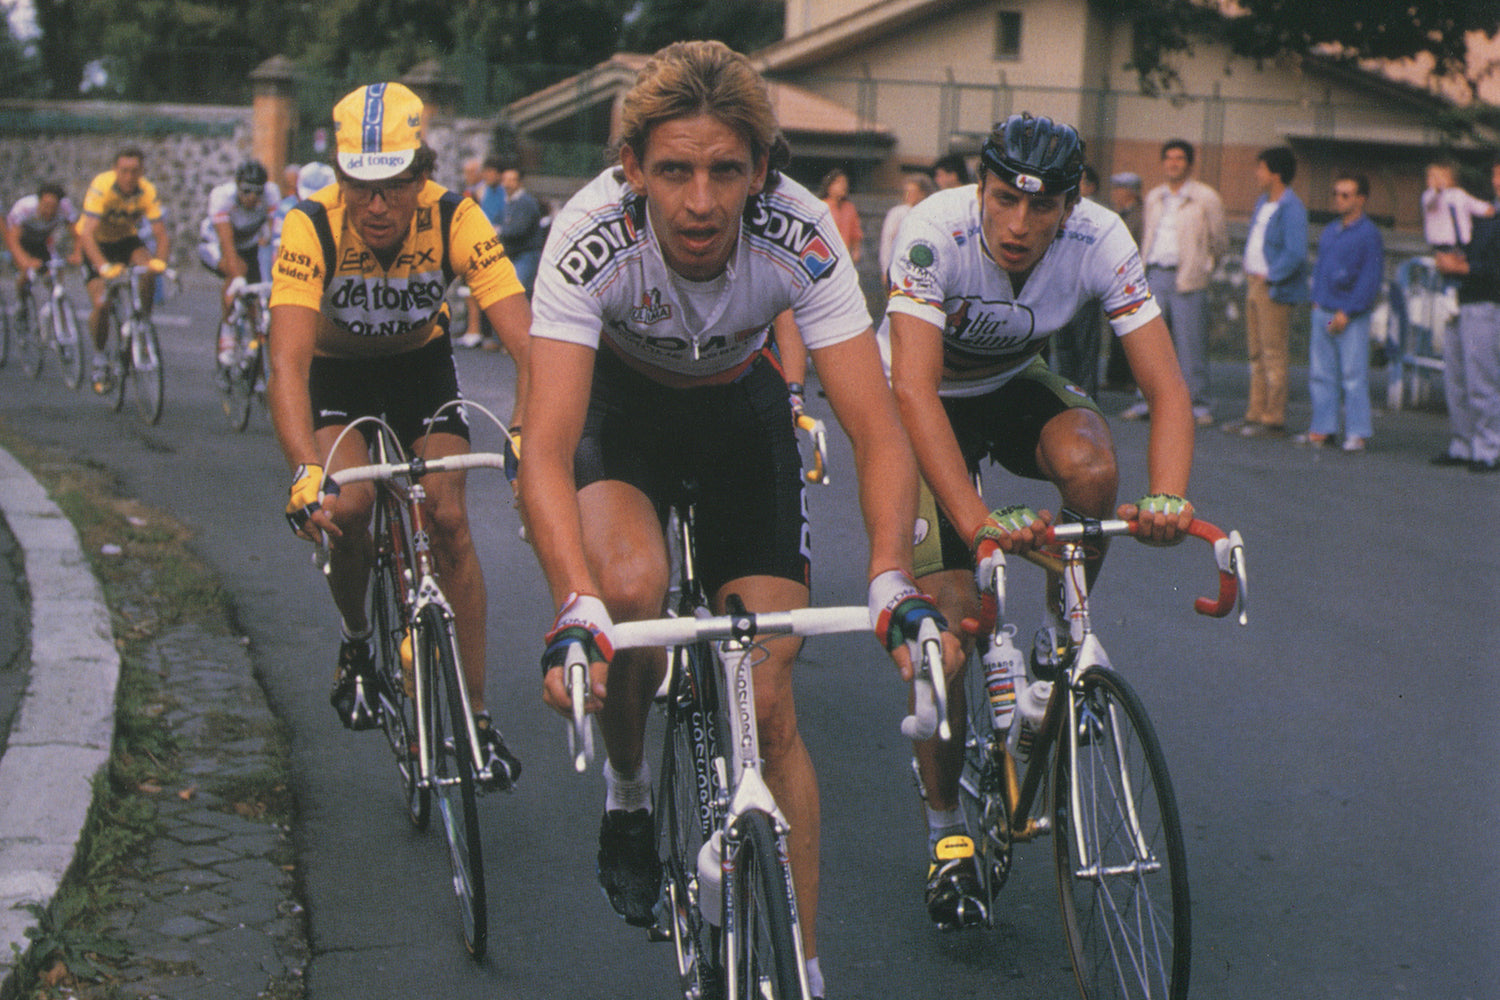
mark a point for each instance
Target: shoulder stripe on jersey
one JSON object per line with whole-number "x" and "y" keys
{"x": 318, "y": 213}
{"x": 447, "y": 205}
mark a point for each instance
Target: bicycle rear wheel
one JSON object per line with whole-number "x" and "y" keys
{"x": 148, "y": 370}
{"x": 67, "y": 338}
{"x": 687, "y": 814}
{"x": 117, "y": 357}
{"x": 765, "y": 954}
{"x": 26, "y": 335}
{"x": 389, "y": 617}
{"x": 453, "y": 766}
{"x": 1124, "y": 894}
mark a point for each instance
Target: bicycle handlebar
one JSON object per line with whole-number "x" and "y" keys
{"x": 931, "y": 715}
{"x": 817, "y": 434}
{"x": 416, "y": 468}
{"x": 1229, "y": 554}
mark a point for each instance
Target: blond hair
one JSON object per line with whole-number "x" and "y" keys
{"x": 692, "y": 78}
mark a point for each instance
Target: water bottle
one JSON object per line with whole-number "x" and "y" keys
{"x": 711, "y": 878}
{"x": 1031, "y": 706}
{"x": 1004, "y": 675}
{"x": 408, "y": 671}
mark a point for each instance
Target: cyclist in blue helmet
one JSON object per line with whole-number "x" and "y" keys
{"x": 982, "y": 276}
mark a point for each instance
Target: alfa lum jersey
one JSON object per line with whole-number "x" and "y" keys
{"x": 323, "y": 264}
{"x": 603, "y": 278}
{"x": 247, "y": 223}
{"x": 119, "y": 214}
{"x": 35, "y": 229}
{"x": 942, "y": 273}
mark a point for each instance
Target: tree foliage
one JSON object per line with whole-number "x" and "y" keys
{"x": 1165, "y": 31}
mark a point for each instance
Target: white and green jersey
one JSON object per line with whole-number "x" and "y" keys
{"x": 942, "y": 273}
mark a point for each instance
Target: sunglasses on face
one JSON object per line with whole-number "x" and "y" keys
{"x": 395, "y": 189}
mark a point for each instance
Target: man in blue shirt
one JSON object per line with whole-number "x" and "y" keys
{"x": 1346, "y": 282}
{"x": 1276, "y": 281}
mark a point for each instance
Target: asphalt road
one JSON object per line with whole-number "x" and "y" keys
{"x": 1336, "y": 761}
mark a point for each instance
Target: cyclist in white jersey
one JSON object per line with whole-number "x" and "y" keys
{"x": 32, "y": 227}
{"x": 231, "y": 235}
{"x": 981, "y": 277}
{"x": 657, "y": 286}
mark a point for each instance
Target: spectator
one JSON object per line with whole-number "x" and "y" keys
{"x": 473, "y": 181}
{"x": 1471, "y": 357}
{"x": 913, "y": 190}
{"x": 1088, "y": 184}
{"x": 835, "y": 194}
{"x": 951, "y": 171}
{"x": 1345, "y": 284}
{"x": 1184, "y": 237}
{"x": 1276, "y": 280}
{"x": 491, "y": 198}
{"x": 1448, "y": 211}
{"x": 1125, "y": 198}
{"x": 521, "y": 232}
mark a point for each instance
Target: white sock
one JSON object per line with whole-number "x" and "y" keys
{"x": 814, "y": 978}
{"x": 627, "y": 792}
{"x": 944, "y": 823}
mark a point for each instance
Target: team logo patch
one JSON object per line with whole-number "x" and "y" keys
{"x": 816, "y": 259}
{"x": 1028, "y": 183}
{"x": 920, "y": 531}
{"x": 921, "y": 255}
{"x": 651, "y": 310}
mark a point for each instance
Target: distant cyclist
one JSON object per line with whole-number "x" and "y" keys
{"x": 658, "y": 285}
{"x": 33, "y": 226}
{"x": 108, "y": 234}
{"x": 359, "y": 327}
{"x": 982, "y": 276}
{"x": 238, "y": 223}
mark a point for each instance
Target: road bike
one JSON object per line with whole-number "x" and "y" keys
{"x": 46, "y": 320}
{"x": 728, "y": 904}
{"x": 243, "y": 380}
{"x": 132, "y": 348}
{"x": 1096, "y": 778}
{"x": 423, "y": 696}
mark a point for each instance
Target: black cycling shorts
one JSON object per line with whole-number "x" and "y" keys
{"x": 37, "y": 245}
{"x": 1004, "y": 425}
{"x": 735, "y": 442}
{"x": 403, "y": 389}
{"x": 116, "y": 252}
{"x": 252, "y": 267}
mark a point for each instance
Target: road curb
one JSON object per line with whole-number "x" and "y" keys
{"x": 64, "y": 725}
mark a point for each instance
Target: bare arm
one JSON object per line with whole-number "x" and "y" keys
{"x": 916, "y": 372}
{"x": 511, "y": 318}
{"x": 163, "y": 240}
{"x": 24, "y": 261}
{"x": 855, "y": 383}
{"x": 294, "y": 332}
{"x": 230, "y": 261}
{"x": 549, "y": 494}
{"x": 1169, "y": 447}
{"x": 789, "y": 345}
{"x": 89, "y": 244}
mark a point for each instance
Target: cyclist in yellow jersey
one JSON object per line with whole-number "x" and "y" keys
{"x": 359, "y": 326}
{"x": 109, "y": 235}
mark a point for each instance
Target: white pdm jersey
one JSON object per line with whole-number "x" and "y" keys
{"x": 603, "y": 277}
{"x": 35, "y": 229}
{"x": 248, "y": 223}
{"x": 942, "y": 273}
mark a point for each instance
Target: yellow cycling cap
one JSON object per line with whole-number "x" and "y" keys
{"x": 379, "y": 129}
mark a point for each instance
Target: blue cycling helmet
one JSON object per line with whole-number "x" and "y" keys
{"x": 251, "y": 172}
{"x": 1035, "y": 155}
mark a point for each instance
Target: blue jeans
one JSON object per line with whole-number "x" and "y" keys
{"x": 1186, "y": 316}
{"x": 1340, "y": 364}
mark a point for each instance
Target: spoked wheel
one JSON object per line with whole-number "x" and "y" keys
{"x": 454, "y": 771}
{"x": 148, "y": 371}
{"x": 765, "y": 953}
{"x": 26, "y": 336}
{"x": 982, "y": 786}
{"x": 117, "y": 360}
{"x": 1121, "y": 864}
{"x": 67, "y": 338}
{"x": 394, "y": 655}
{"x": 687, "y": 814}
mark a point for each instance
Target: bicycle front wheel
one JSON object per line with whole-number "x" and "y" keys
{"x": 240, "y": 394}
{"x": 117, "y": 355}
{"x": 687, "y": 815}
{"x": 148, "y": 370}
{"x": 453, "y": 771}
{"x": 68, "y": 339}
{"x": 26, "y": 333}
{"x": 765, "y": 959}
{"x": 1121, "y": 863}
{"x": 394, "y": 653}
{"x": 982, "y": 783}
